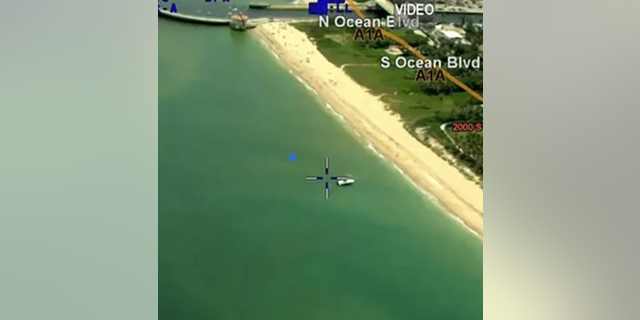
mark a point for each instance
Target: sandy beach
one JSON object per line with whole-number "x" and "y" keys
{"x": 384, "y": 131}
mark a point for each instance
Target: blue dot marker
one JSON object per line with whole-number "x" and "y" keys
{"x": 292, "y": 157}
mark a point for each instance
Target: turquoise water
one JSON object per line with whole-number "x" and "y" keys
{"x": 243, "y": 236}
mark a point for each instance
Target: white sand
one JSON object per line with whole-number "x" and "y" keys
{"x": 368, "y": 117}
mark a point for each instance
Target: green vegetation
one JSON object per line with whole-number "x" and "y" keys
{"x": 423, "y": 106}
{"x": 469, "y": 142}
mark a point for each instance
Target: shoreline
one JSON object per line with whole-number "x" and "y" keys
{"x": 380, "y": 130}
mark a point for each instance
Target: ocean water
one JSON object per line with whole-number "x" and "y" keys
{"x": 243, "y": 236}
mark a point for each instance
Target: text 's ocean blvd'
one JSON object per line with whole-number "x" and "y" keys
{"x": 239, "y": 228}
{"x": 248, "y": 211}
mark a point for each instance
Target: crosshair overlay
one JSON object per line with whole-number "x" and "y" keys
{"x": 325, "y": 178}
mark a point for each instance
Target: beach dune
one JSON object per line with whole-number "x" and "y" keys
{"x": 367, "y": 115}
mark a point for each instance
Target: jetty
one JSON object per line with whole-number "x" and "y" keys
{"x": 247, "y": 23}
{"x": 194, "y": 18}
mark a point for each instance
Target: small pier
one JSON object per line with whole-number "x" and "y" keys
{"x": 247, "y": 24}
{"x": 195, "y": 19}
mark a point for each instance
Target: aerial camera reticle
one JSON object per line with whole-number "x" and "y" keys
{"x": 340, "y": 180}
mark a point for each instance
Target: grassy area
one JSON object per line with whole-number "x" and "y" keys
{"x": 397, "y": 87}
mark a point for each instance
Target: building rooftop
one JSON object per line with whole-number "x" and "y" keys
{"x": 451, "y": 32}
{"x": 394, "y": 50}
{"x": 239, "y": 17}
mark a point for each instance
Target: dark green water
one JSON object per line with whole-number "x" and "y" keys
{"x": 242, "y": 235}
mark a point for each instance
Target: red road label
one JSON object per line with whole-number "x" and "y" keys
{"x": 466, "y": 127}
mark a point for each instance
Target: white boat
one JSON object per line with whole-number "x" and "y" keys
{"x": 346, "y": 181}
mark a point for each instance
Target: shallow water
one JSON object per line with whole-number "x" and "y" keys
{"x": 243, "y": 236}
